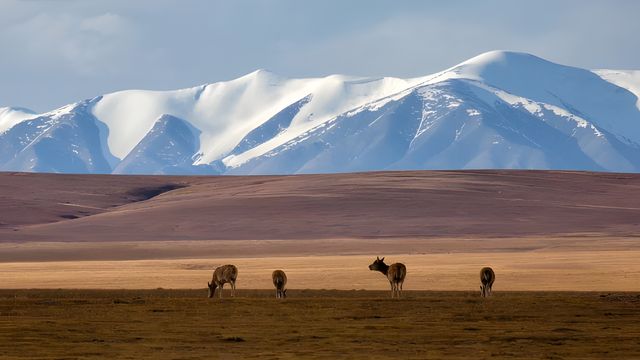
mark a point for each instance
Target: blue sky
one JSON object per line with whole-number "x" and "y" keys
{"x": 59, "y": 51}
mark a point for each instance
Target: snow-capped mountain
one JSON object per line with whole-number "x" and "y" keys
{"x": 497, "y": 110}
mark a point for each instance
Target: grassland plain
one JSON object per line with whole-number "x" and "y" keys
{"x": 549, "y": 270}
{"x": 317, "y": 324}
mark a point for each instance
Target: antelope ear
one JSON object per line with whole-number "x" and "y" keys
{"x": 377, "y": 258}
{"x": 382, "y": 259}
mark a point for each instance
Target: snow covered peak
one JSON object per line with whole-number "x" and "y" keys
{"x": 261, "y": 73}
{"x": 260, "y": 76}
{"x": 500, "y": 109}
{"x": 9, "y": 109}
{"x": 627, "y": 79}
{"x": 10, "y": 116}
{"x": 511, "y": 69}
{"x": 577, "y": 90}
{"x": 504, "y": 58}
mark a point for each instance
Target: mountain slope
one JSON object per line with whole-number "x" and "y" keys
{"x": 167, "y": 148}
{"x": 472, "y": 128}
{"x": 70, "y": 140}
{"x": 10, "y": 116}
{"x": 498, "y": 110}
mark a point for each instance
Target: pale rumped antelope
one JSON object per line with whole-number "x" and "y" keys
{"x": 222, "y": 275}
{"x": 395, "y": 273}
{"x": 279, "y": 281}
{"x": 487, "y": 277}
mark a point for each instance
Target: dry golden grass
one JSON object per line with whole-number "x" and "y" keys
{"x": 518, "y": 271}
{"x": 184, "y": 324}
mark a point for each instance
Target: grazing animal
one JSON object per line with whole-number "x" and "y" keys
{"x": 395, "y": 273}
{"x": 279, "y": 281}
{"x": 487, "y": 277}
{"x": 222, "y": 275}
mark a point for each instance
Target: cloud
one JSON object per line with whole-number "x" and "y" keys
{"x": 61, "y": 42}
{"x": 58, "y": 51}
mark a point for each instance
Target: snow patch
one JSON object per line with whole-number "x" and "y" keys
{"x": 626, "y": 79}
{"x": 9, "y": 117}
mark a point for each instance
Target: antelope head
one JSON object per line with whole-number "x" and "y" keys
{"x": 378, "y": 265}
{"x": 212, "y": 289}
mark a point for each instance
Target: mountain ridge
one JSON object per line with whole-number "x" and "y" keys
{"x": 500, "y": 109}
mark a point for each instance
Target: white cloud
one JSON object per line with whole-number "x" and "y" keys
{"x": 64, "y": 42}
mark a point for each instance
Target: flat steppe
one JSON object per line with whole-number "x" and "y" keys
{"x": 540, "y": 230}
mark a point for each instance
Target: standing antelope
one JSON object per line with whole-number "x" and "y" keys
{"x": 279, "y": 281}
{"x": 487, "y": 277}
{"x": 222, "y": 275}
{"x": 394, "y": 272}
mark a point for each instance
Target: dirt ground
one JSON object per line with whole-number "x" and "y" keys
{"x": 316, "y": 324}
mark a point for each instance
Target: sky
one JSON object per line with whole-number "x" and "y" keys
{"x": 55, "y": 52}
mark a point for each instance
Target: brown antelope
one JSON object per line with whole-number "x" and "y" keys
{"x": 279, "y": 281}
{"x": 222, "y": 275}
{"x": 487, "y": 277}
{"x": 394, "y": 272}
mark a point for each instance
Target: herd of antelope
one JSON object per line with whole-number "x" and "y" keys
{"x": 395, "y": 273}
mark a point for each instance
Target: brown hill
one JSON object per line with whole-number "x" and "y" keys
{"x": 415, "y": 204}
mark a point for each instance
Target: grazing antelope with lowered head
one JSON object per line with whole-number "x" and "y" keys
{"x": 487, "y": 277}
{"x": 222, "y": 275}
{"x": 279, "y": 281}
{"x": 395, "y": 273}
